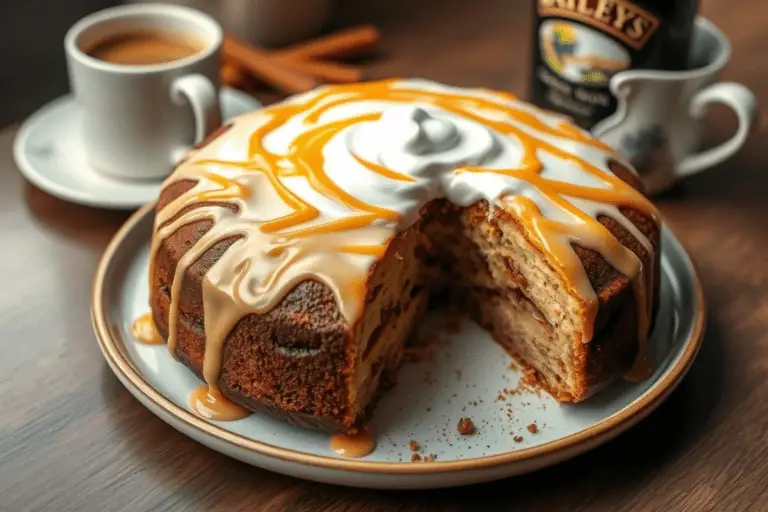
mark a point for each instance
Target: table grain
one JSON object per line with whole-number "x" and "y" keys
{"x": 72, "y": 438}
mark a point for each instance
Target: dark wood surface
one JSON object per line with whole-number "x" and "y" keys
{"x": 72, "y": 438}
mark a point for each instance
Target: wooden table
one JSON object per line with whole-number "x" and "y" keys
{"x": 72, "y": 438}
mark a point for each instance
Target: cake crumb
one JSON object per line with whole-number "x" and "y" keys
{"x": 518, "y": 439}
{"x": 414, "y": 445}
{"x": 500, "y": 398}
{"x": 415, "y": 457}
{"x": 466, "y": 426}
{"x": 533, "y": 428}
{"x": 430, "y": 458}
{"x": 530, "y": 377}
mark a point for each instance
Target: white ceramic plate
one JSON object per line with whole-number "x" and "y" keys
{"x": 425, "y": 405}
{"x": 48, "y": 152}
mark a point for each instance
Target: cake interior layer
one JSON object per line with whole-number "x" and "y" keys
{"x": 302, "y": 362}
{"x": 396, "y": 299}
{"x": 512, "y": 291}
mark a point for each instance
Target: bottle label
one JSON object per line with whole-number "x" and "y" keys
{"x": 623, "y": 20}
{"x": 579, "y": 46}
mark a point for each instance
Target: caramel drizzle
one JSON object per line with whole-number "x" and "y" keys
{"x": 144, "y": 330}
{"x": 353, "y": 446}
{"x": 211, "y": 404}
{"x": 284, "y": 240}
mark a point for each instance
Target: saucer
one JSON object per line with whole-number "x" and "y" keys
{"x": 49, "y": 154}
{"x": 464, "y": 378}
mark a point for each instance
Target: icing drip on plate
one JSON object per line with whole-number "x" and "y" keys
{"x": 353, "y": 446}
{"x": 144, "y": 331}
{"x": 211, "y": 404}
{"x": 320, "y": 183}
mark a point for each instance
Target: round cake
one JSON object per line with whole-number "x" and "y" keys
{"x": 295, "y": 250}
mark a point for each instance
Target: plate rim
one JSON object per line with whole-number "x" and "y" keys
{"x": 574, "y": 443}
{"x": 41, "y": 180}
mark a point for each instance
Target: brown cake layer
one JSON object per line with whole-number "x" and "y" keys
{"x": 304, "y": 364}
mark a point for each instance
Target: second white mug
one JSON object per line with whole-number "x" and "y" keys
{"x": 138, "y": 120}
{"x": 658, "y": 123}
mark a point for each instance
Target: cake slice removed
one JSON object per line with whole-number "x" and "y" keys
{"x": 295, "y": 251}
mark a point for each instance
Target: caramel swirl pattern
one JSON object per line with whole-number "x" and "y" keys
{"x": 320, "y": 184}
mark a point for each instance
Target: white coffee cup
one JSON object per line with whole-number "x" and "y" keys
{"x": 658, "y": 122}
{"x": 138, "y": 120}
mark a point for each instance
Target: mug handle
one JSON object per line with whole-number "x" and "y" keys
{"x": 200, "y": 93}
{"x": 744, "y": 104}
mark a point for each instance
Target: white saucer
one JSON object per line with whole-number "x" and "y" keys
{"x": 465, "y": 378}
{"x": 48, "y": 152}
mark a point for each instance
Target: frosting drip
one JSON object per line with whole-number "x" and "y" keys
{"x": 353, "y": 446}
{"x": 144, "y": 330}
{"x": 320, "y": 184}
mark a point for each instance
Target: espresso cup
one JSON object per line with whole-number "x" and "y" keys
{"x": 658, "y": 123}
{"x": 138, "y": 119}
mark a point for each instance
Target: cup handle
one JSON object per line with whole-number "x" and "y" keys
{"x": 744, "y": 104}
{"x": 200, "y": 93}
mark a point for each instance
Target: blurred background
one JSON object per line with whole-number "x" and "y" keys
{"x": 33, "y": 71}
{"x": 32, "y": 67}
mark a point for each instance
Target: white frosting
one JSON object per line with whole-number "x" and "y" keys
{"x": 421, "y": 141}
{"x": 429, "y": 145}
{"x": 426, "y": 143}
{"x": 392, "y": 148}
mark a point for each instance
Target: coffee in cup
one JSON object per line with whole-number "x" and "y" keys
{"x": 142, "y": 48}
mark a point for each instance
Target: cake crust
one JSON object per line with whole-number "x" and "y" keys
{"x": 295, "y": 249}
{"x": 294, "y": 351}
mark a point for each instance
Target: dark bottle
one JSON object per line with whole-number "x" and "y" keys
{"x": 579, "y": 45}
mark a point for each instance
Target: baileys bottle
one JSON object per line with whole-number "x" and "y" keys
{"x": 580, "y": 44}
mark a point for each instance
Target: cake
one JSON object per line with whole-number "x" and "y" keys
{"x": 295, "y": 250}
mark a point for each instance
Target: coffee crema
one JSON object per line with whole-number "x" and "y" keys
{"x": 145, "y": 48}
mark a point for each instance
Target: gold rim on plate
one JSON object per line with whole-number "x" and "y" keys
{"x": 571, "y": 444}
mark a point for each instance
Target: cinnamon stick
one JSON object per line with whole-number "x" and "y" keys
{"x": 259, "y": 63}
{"x": 344, "y": 43}
{"x": 325, "y": 71}
{"x": 232, "y": 76}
